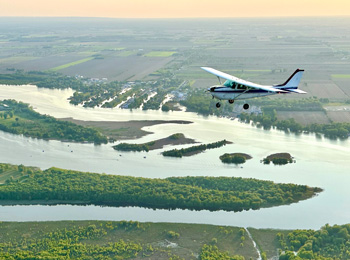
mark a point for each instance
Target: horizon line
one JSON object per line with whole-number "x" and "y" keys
{"x": 194, "y": 17}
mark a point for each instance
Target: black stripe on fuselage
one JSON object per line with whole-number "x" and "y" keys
{"x": 250, "y": 91}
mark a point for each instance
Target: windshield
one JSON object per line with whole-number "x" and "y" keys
{"x": 229, "y": 83}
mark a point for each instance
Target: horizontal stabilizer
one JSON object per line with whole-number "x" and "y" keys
{"x": 299, "y": 91}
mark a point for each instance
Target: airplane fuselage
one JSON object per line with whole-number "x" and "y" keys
{"x": 227, "y": 93}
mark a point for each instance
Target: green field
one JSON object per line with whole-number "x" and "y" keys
{"x": 17, "y": 59}
{"x": 160, "y": 54}
{"x": 64, "y": 66}
{"x": 341, "y": 76}
{"x": 126, "y": 53}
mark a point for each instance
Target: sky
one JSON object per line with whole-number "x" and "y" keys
{"x": 174, "y": 8}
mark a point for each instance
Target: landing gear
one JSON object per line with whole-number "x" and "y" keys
{"x": 218, "y": 105}
{"x": 231, "y": 101}
{"x": 245, "y": 106}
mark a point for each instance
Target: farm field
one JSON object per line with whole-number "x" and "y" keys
{"x": 305, "y": 118}
{"x": 129, "y": 50}
{"x": 118, "y": 68}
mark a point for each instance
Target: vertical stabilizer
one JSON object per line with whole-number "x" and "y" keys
{"x": 293, "y": 81}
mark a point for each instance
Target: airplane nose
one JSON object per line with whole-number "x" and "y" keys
{"x": 211, "y": 89}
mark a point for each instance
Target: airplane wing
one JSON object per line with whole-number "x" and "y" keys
{"x": 241, "y": 81}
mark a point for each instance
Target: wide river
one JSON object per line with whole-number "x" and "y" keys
{"x": 320, "y": 162}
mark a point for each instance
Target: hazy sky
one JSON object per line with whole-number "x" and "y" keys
{"x": 174, "y": 8}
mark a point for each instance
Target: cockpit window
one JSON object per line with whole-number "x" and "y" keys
{"x": 229, "y": 84}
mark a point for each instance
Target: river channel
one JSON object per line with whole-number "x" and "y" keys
{"x": 319, "y": 162}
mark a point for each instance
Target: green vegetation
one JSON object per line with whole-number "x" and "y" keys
{"x": 331, "y": 131}
{"x": 160, "y": 54}
{"x": 119, "y": 240}
{"x": 41, "y": 79}
{"x": 19, "y": 118}
{"x": 235, "y": 158}
{"x": 194, "y": 149}
{"x": 71, "y": 243}
{"x": 330, "y": 242}
{"x": 278, "y": 159}
{"x": 64, "y": 66}
{"x": 232, "y": 194}
{"x": 209, "y": 252}
{"x": 174, "y": 139}
{"x": 135, "y": 240}
{"x": 341, "y": 76}
{"x": 133, "y": 147}
{"x": 16, "y": 173}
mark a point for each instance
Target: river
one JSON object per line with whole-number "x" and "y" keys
{"x": 323, "y": 163}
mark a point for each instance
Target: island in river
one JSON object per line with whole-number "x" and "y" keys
{"x": 235, "y": 158}
{"x": 175, "y": 139}
{"x": 278, "y": 159}
{"x": 23, "y": 185}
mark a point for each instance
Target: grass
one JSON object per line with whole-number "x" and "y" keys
{"x": 126, "y": 53}
{"x": 160, "y": 54}
{"x": 8, "y": 171}
{"x": 341, "y": 76}
{"x": 64, "y": 66}
{"x": 266, "y": 240}
{"x": 17, "y": 59}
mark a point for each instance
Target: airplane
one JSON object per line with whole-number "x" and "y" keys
{"x": 235, "y": 88}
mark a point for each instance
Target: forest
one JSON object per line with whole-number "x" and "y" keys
{"x": 20, "y": 118}
{"x": 330, "y": 242}
{"x": 234, "y": 158}
{"x": 133, "y": 147}
{"x": 194, "y": 149}
{"x": 116, "y": 240}
{"x": 195, "y": 193}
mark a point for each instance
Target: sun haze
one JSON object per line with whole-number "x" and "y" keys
{"x": 174, "y": 9}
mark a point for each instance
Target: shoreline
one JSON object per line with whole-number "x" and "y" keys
{"x": 123, "y": 130}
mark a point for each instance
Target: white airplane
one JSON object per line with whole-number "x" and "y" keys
{"x": 235, "y": 88}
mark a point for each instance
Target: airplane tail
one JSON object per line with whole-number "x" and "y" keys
{"x": 292, "y": 83}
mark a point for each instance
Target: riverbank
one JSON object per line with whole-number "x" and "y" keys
{"x": 122, "y": 130}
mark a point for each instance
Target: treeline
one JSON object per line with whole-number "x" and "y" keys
{"x": 194, "y": 149}
{"x": 91, "y": 240}
{"x": 90, "y": 93}
{"x": 70, "y": 244}
{"x": 209, "y": 252}
{"x": 133, "y": 147}
{"x": 195, "y": 193}
{"x": 200, "y": 102}
{"x": 331, "y": 131}
{"x": 328, "y": 243}
{"x": 22, "y": 119}
{"x": 279, "y": 104}
{"x": 235, "y": 158}
{"x": 41, "y": 79}
{"x": 278, "y": 159}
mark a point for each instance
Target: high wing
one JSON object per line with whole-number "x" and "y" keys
{"x": 241, "y": 81}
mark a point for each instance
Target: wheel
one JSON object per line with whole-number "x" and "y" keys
{"x": 218, "y": 105}
{"x": 231, "y": 101}
{"x": 245, "y": 106}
